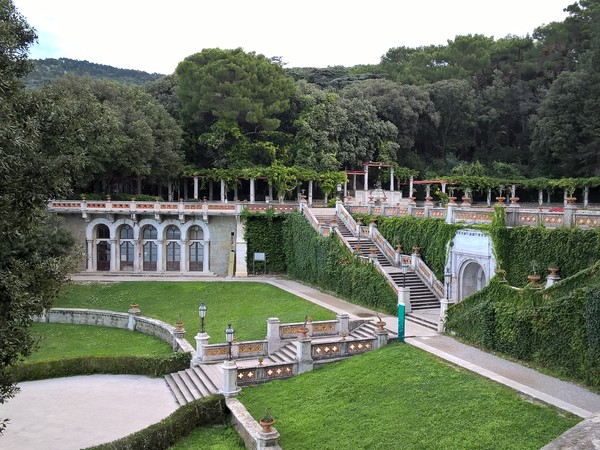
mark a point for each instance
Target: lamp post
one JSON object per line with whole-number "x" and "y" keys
{"x": 448, "y": 282}
{"x": 445, "y": 302}
{"x": 339, "y": 190}
{"x": 229, "y": 332}
{"x": 202, "y": 314}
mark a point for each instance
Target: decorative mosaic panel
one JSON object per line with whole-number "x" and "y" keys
{"x": 96, "y": 205}
{"x": 216, "y": 351}
{"x": 528, "y": 219}
{"x": 121, "y": 205}
{"x": 555, "y": 220}
{"x": 222, "y": 207}
{"x": 331, "y": 350}
{"x": 436, "y": 213}
{"x": 279, "y": 371}
{"x": 361, "y": 210}
{"x": 167, "y": 206}
{"x": 359, "y": 346}
{"x": 246, "y": 376}
{"x": 288, "y": 331}
{"x": 324, "y": 327}
{"x": 251, "y": 348}
{"x": 67, "y": 205}
{"x": 193, "y": 206}
{"x": 587, "y": 221}
{"x": 377, "y": 210}
{"x": 473, "y": 216}
{"x": 145, "y": 206}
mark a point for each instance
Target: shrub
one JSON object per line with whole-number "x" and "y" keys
{"x": 162, "y": 435}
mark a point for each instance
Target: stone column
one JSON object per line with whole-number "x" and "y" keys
{"x": 252, "y": 195}
{"x": 241, "y": 249}
{"x": 195, "y": 188}
{"x": 391, "y": 179}
{"x": 489, "y": 197}
{"x": 444, "y": 187}
{"x": 450, "y": 211}
{"x": 90, "y": 255}
{"x": 366, "y": 180}
{"x": 553, "y": 277}
{"x": 210, "y": 190}
{"x": 273, "y": 338}
{"x": 183, "y": 256}
{"x": 586, "y": 197}
{"x": 160, "y": 263}
{"x": 223, "y": 198}
{"x": 266, "y": 441}
{"x": 310, "y": 193}
{"x": 113, "y": 255}
{"x": 201, "y": 341}
{"x": 410, "y": 187}
{"x": 381, "y": 338}
{"x": 303, "y": 355}
{"x": 444, "y": 304}
{"x": 569, "y": 215}
{"x": 270, "y": 192}
{"x": 230, "y": 387}
{"x": 540, "y": 197}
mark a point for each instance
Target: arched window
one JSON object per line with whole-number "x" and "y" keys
{"x": 173, "y": 248}
{"x": 126, "y": 247}
{"x": 196, "y": 249}
{"x": 102, "y": 248}
{"x": 149, "y": 235}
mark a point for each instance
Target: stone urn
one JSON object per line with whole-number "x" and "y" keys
{"x": 514, "y": 200}
{"x": 533, "y": 279}
{"x": 267, "y": 425}
{"x": 553, "y": 271}
{"x": 452, "y": 200}
{"x": 571, "y": 200}
{"x": 302, "y": 332}
{"x": 500, "y": 200}
{"x": 380, "y": 324}
{"x": 416, "y": 249}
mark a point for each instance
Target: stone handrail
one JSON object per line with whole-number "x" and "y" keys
{"x": 131, "y": 320}
{"x": 383, "y": 245}
{"x": 321, "y": 229}
{"x": 429, "y": 278}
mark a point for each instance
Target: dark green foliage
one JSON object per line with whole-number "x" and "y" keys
{"x": 328, "y": 264}
{"x": 153, "y": 366}
{"x": 162, "y": 435}
{"x": 432, "y": 235}
{"x": 263, "y": 233}
{"x": 557, "y": 328}
{"x": 46, "y": 70}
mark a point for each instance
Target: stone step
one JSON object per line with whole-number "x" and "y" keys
{"x": 421, "y": 321}
{"x": 284, "y": 355}
{"x": 194, "y": 383}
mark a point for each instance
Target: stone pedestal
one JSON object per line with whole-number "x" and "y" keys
{"x": 304, "y": 356}
{"x": 343, "y": 320}
{"x": 133, "y": 313}
{"x": 381, "y": 338}
{"x": 268, "y": 441}
{"x": 444, "y": 304}
{"x": 230, "y": 387}
{"x": 201, "y": 341}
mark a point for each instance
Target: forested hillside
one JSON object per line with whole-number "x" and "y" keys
{"x": 46, "y": 70}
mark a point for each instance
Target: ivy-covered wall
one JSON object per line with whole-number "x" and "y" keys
{"x": 264, "y": 234}
{"x": 558, "y": 328}
{"x": 328, "y": 264}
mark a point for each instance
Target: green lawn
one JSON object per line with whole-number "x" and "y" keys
{"x": 402, "y": 397}
{"x": 60, "y": 341}
{"x": 246, "y": 305}
{"x": 219, "y": 437}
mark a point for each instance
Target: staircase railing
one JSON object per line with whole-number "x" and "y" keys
{"x": 321, "y": 229}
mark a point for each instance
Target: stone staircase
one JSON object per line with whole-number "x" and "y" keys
{"x": 422, "y": 299}
{"x": 206, "y": 379}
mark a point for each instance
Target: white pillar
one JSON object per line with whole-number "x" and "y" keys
{"x": 410, "y": 187}
{"x": 303, "y": 355}
{"x": 90, "y": 255}
{"x": 345, "y": 189}
{"x": 160, "y": 263}
{"x": 241, "y": 249}
{"x": 210, "y": 190}
{"x": 310, "y": 193}
{"x": 513, "y": 190}
{"x": 113, "y": 255}
{"x": 444, "y": 187}
{"x": 170, "y": 191}
{"x": 183, "y": 256}
{"x": 229, "y": 379}
{"x": 586, "y": 194}
{"x": 489, "y": 197}
{"x": 270, "y": 192}
{"x": 252, "y": 195}
{"x": 137, "y": 255}
{"x": 195, "y": 188}
{"x": 391, "y": 179}
{"x": 366, "y": 186}
{"x": 540, "y": 197}
{"x": 201, "y": 341}
{"x": 223, "y": 199}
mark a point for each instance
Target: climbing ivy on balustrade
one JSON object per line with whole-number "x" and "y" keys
{"x": 328, "y": 264}
{"x": 521, "y": 250}
{"x": 263, "y": 233}
{"x": 431, "y": 235}
{"x": 558, "y": 328}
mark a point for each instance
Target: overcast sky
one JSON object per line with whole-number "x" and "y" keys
{"x": 154, "y": 36}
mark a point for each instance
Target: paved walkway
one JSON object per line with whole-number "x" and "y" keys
{"x": 39, "y": 410}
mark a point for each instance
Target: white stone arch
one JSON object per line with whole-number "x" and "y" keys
{"x": 162, "y": 236}
{"x": 92, "y": 247}
{"x": 141, "y": 225}
{"x": 471, "y": 262}
{"x": 185, "y": 232}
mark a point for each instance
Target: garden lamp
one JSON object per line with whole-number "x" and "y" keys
{"x": 448, "y": 281}
{"x": 229, "y": 332}
{"x": 202, "y": 314}
{"x": 403, "y": 270}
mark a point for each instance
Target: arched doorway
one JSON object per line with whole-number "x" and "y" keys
{"x": 196, "y": 253}
{"x": 126, "y": 248}
{"x": 149, "y": 236}
{"x": 173, "y": 248}
{"x": 473, "y": 279}
{"x": 102, "y": 248}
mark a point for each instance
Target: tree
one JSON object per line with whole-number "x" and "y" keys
{"x": 29, "y": 276}
{"x": 245, "y": 90}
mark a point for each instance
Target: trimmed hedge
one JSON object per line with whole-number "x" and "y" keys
{"x": 557, "y": 328}
{"x": 328, "y": 264}
{"x": 162, "y": 435}
{"x": 153, "y": 366}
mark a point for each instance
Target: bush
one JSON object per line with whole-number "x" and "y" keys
{"x": 153, "y": 366}
{"x": 162, "y": 435}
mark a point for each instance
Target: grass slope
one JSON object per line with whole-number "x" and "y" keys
{"x": 218, "y": 437}
{"x": 246, "y": 305}
{"x": 60, "y": 341}
{"x": 402, "y": 397}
